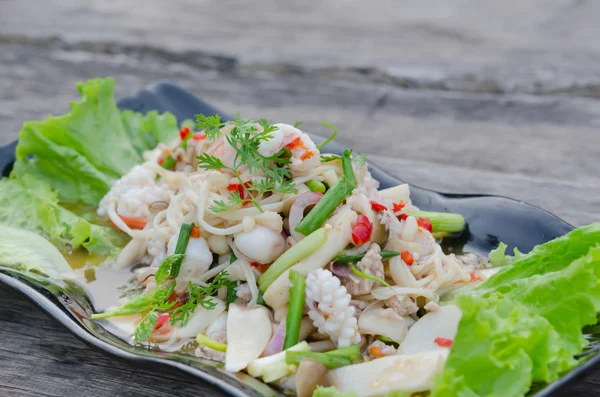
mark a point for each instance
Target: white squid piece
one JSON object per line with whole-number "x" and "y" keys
{"x": 261, "y": 244}
{"x": 197, "y": 261}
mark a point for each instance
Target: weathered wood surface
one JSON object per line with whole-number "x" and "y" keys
{"x": 467, "y": 124}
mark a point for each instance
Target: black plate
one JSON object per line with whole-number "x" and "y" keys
{"x": 490, "y": 219}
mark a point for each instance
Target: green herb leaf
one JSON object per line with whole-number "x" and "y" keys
{"x": 145, "y": 327}
{"x": 162, "y": 274}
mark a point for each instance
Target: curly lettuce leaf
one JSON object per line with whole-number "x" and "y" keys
{"x": 524, "y": 324}
{"x": 498, "y": 348}
{"x": 145, "y": 131}
{"x": 31, "y": 204}
{"x": 25, "y": 250}
{"x": 552, "y": 256}
{"x": 81, "y": 152}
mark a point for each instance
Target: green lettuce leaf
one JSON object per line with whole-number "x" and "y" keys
{"x": 31, "y": 204}
{"x": 81, "y": 152}
{"x": 497, "y": 348}
{"x": 25, "y": 250}
{"x": 524, "y": 324}
{"x": 552, "y": 256}
{"x": 145, "y": 131}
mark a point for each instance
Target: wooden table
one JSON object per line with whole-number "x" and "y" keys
{"x": 459, "y": 96}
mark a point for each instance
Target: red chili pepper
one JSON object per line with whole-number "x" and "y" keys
{"x": 199, "y": 136}
{"x": 443, "y": 342}
{"x": 135, "y": 222}
{"x": 425, "y": 223}
{"x": 399, "y": 206}
{"x": 306, "y": 155}
{"x": 179, "y": 158}
{"x": 295, "y": 143}
{"x": 407, "y": 258}
{"x": 174, "y": 298}
{"x": 261, "y": 267}
{"x": 236, "y": 187}
{"x": 161, "y": 161}
{"x": 475, "y": 277}
{"x": 183, "y": 133}
{"x": 378, "y": 206}
{"x": 361, "y": 231}
{"x": 403, "y": 217}
{"x": 161, "y": 320}
{"x": 195, "y": 233}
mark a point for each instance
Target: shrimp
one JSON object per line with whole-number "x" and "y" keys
{"x": 305, "y": 154}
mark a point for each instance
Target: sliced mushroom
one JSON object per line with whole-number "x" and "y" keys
{"x": 248, "y": 333}
{"x": 310, "y": 374}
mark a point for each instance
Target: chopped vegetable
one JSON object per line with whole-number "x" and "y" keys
{"x": 425, "y": 223}
{"x": 294, "y": 315}
{"x": 368, "y": 276}
{"x": 407, "y": 258}
{"x": 356, "y": 258}
{"x": 316, "y": 186}
{"x": 199, "y": 296}
{"x": 182, "y": 242}
{"x": 134, "y": 222}
{"x": 399, "y": 206}
{"x": 331, "y": 359}
{"x": 330, "y": 200}
{"x": 377, "y": 206}
{"x": 203, "y": 340}
{"x": 195, "y": 233}
{"x": 331, "y": 138}
{"x": 361, "y": 231}
{"x": 167, "y": 162}
{"x": 258, "y": 367}
{"x": 440, "y": 221}
{"x": 443, "y": 342}
{"x": 295, "y": 254}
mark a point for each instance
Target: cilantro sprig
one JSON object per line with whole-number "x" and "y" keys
{"x": 245, "y": 139}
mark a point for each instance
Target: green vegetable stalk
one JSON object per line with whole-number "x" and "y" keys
{"x": 294, "y": 315}
{"x": 316, "y": 186}
{"x": 182, "y": 242}
{"x": 301, "y": 250}
{"x": 330, "y": 200}
{"x": 331, "y": 359}
{"x": 441, "y": 221}
{"x": 357, "y": 258}
{"x": 203, "y": 340}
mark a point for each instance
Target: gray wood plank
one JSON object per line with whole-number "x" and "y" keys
{"x": 465, "y": 45}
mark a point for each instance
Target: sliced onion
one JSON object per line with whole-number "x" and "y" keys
{"x": 297, "y": 211}
{"x": 276, "y": 343}
{"x": 341, "y": 269}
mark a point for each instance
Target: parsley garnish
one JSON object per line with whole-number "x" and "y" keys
{"x": 200, "y": 296}
{"x": 245, "y": 139}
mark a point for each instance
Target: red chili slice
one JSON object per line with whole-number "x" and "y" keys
{"x": 199, "y": 136}
{"x": 162, "y": 320}
{"x": 377, "y": 206}
{"x": 183, "y": 133}
{"x": 361, "y": 231}
{"x": 425, "y": 223}
{"x": 398, "y": 206}
{"x": 443, "y": 342}
{"x": 407, "y": 258}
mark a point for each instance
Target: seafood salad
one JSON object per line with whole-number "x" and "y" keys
{"x": 249, "y": 245}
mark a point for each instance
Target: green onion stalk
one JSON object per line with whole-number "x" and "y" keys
{"x": 294, "y": 314}
{"x": 441, "y": 222}
{"x": 304, "y": 248}
{"x": 332, "y": 199}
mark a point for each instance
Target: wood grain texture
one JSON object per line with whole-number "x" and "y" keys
{"x": 510, "y": 46}
{"x": 438, "y": 93}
